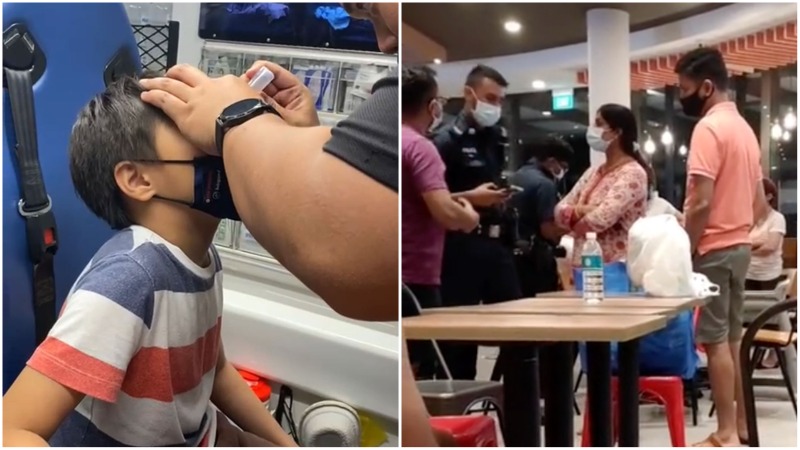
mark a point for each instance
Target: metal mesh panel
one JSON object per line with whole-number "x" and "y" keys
{"x": 158, "y": 45}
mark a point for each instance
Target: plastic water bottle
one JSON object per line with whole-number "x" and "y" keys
{"x": 592, "y": 269}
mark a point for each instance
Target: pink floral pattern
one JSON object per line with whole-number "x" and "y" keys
{"x": 616, "y": 200}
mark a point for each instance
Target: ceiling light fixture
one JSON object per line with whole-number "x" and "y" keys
{"x": 787, "y": 136}
{"x": 683, "y": 150}
{"x": 539, "y": 84}
{"x": 790, "y": 120}
{"x": 649, "y": 146}
{"x": 666, "y": 137}
{"x": 776, "y": 131}
{"x": 547, "y": 113}
{"x": 437, "y": 61}
{"x": 512, "y": 26}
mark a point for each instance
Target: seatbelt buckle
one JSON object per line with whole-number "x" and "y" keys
{"x": 41, "y": 228}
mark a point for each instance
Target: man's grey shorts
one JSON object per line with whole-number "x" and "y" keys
{"x": 721, "y": 318}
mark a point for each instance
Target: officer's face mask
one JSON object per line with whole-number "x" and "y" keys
{"x": 212, "y": 195}
{"x": 437, "y": 114}
{"x": 485, "y": 114}
{"x": 693, "y": 104}
{"x": 594, "y": 137}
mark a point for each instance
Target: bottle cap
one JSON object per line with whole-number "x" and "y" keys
{"x": 261, "y": 79}
{"x": 591, "y": 235}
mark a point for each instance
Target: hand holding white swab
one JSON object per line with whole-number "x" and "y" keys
{"x": 261, "y": 79}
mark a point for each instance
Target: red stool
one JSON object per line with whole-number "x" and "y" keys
{"x": 467, "y": 431}
{"x": 668, "y": 391}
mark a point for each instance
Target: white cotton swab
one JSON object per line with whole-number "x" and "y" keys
{"x": 261, "y": 79}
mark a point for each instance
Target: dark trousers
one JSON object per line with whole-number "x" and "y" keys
{"x": 421, "y": 353}
{"x": 475, "y": 270}
{"x": 537, "y": 274}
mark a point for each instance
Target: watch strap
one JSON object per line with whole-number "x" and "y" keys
{"x": 225, "y": 122}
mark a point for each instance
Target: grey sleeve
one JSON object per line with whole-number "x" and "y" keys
{"x": 367, "y": 139}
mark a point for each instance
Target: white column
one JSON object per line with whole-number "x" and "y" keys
{"x": 608, "y": 32}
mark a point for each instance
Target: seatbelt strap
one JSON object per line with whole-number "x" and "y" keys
{"x": 34, "y": 204}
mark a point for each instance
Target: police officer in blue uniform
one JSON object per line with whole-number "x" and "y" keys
{"x": 479, "y": 266}
{"x": 546, "y": 163}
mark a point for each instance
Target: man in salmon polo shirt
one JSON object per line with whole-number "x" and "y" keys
{"x": 723, "y": 195}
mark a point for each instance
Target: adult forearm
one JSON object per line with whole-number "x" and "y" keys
{"x": 452, "y": 216}
{"x": 551, "y": 231}
{"x": 761, "y": 206}
{"x": 417, "y": 431}
{"x": 22, "y": 438}
{"x": 235, "y": 399}
{"x": 696, "y": 219}
{"x": 474, "y": 197}
{"x": 329, "y": 224}
{"x": 760, "y": 251}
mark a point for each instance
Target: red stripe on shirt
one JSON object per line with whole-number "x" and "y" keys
{"x": 76, "y": 370}
{"x": 160, "y": 373}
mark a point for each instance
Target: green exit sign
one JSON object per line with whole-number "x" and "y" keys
{"x": 563, "y": 101}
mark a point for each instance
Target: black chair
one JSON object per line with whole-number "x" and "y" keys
{"x": 457, "y": 397}
{"x": 767, "y": 337}
{"x": 755, "y": 342}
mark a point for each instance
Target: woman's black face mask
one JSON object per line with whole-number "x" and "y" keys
{"x": 212, "y": 195}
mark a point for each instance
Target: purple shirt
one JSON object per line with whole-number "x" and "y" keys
{"x": 423, "y": 238}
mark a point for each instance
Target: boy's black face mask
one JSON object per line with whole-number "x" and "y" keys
{"x": 212, "y": 195}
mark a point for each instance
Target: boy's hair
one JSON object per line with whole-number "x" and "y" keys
{"x": 704, "y": 63}
{"x": 548, "y": 147}
{"x": 115, "y": 126}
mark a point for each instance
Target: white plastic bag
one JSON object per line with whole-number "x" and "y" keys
{"x": 660, "y": 261}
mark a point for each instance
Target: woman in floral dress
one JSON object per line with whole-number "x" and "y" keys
{"x": 609, "y": 198}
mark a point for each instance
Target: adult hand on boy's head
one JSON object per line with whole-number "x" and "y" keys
{"x": 290, "y": 97}
{"x": 194, "y": 101}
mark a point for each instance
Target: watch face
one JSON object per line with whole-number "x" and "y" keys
{"x": 241, "y": 107}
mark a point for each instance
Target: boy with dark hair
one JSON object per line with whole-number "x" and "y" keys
{"x": 546, "y": 162}
{"x": 724, "y": 172}
{"x": 136, "y": 358}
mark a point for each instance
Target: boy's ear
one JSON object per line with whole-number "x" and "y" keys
{"x": 134, "y": 181}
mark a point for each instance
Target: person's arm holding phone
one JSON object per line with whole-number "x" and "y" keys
{"x": 485, "y": 195}
{"x": 425, "y": 170}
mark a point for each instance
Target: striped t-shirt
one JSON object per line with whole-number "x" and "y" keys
{"x": 139, "y": 334}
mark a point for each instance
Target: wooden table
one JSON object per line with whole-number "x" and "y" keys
{"x": 631, "y": 299}
{"x": 534, "y": 327}
{"x": 520, "y": 391}
{"x": 534, "y": 306}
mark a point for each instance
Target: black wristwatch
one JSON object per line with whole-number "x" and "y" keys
{"x": 239, "y": 113}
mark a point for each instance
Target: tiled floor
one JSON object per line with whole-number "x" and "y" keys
{"x": 777, "y": 422}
